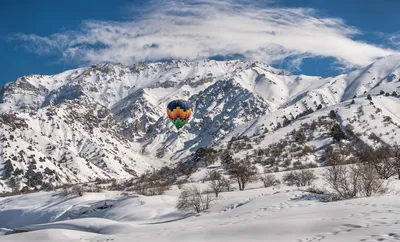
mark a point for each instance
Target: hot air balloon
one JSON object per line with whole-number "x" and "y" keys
{"x": 179, "y": 112}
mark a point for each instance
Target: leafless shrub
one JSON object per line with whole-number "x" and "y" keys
{"x": 349, "y": 129}
{"x": 180, "y": 183}
{"x": 299, "y": 178}
{"x": 148, "y": 188}
{"x": 370, "y": 183}
{"x": 335, "y": 156}
{"x": 298, "y": 165}
{"x": 93, "y": 188}
{"x": 229, "y": 187}
{"x": 299, "y": 136}
{"x": 218, "y": 183}
{"x": 286, "y": 163}
{"x": 382, "y": 159}
{"x": 396, "y": 159}
{"x": 153, "y": 183}
{"x": 65, "y": 190}
{"x": 383, "y": 162}
{"x": 206, "y": 155}
{"x": 342, "y": 180}
{"x": 360, "y": 111}
{"x": 99, "y": 181}
{"x": 387, "y": 119}
{"x": 78, "y": 190}
{"x": 243, "y": 171}
{"x": 269, "y": 180}
{"x": 316, "y": 190}
{"x": 191, "y": 199}
{"x": 350, "y": 181}
{"x": 118, "y": 186}
{"x": 72, "y": 190}
{"x": 374, "y": 137}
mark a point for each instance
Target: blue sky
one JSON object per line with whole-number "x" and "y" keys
{"x": 314, "y": 37}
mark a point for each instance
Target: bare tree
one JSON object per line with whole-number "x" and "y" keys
{"x": 72, "y": 189}
{"x": 226, "y": 158}
{"x": 269, "y": 180}
{"x": 14, "y": 184}
{"x": 218, "y": 183}
{"x": 153, "y": 183}
{"x": 65, "y": 191}
{"x": 140, "y": 187}
{"x": 369, "y": 183}
{"x": 383, "y": 162}
{"x": 229, "y": 186}
{"x": 307, "y": 177}
{"x": 335, "y": 157}
{"x": 299, "y": 178}
{"x": 396, "y": 159}
{"x": 243, "y": 171}
{"x": 349, "y": 181}
{"x": 78, "y": 190}
{"x": 343, "y": 180}
{"x": 383, "y": 159}
{"x": 191, "y": 199}
{"x": 7, "y": 169}
{"x": 363, "y": 154}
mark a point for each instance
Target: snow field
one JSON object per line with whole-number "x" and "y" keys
{"x": 279, "y": 213}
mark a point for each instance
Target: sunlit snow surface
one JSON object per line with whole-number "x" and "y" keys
{"x": 256, "y": 214}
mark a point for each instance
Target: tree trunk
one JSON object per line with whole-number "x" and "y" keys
{"x": 241, "y": 186}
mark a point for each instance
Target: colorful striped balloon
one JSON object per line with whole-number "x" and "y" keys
{"x": 179, "y": 112}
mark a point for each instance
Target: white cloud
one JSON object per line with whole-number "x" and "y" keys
{"x": 395, "y": 39}
{"x": 206, "y": 28}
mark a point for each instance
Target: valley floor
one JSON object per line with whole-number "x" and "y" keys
{"x": 257, "y": 214}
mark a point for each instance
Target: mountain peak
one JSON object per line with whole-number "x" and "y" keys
{"x": 108, "y": 120}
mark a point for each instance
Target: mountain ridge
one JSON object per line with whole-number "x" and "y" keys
{"x": 108, "y": 120}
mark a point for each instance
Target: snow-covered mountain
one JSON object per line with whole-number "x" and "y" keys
{"x": 108, "y": 121}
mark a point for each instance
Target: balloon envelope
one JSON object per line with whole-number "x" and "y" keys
{"x": 179, "y": 112}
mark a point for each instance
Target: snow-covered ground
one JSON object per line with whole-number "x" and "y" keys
{"x": 256, "y": 214}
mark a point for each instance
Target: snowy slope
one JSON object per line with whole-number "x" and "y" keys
{"x": 277, "y": 214}
{"x": 385, "y": 72}
{"x": 379, "y": 118}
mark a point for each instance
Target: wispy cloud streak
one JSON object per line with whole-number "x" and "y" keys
{"x": 206, "y": 28}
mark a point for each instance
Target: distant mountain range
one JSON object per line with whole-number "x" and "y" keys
{"x": 108, "y": 121}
